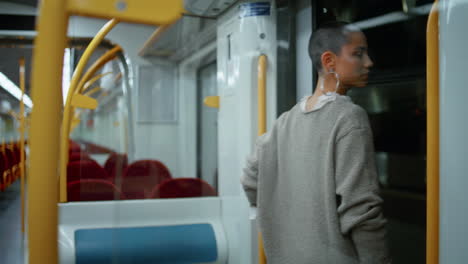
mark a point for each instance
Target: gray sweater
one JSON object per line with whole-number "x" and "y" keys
{"x": 314, "y": 182}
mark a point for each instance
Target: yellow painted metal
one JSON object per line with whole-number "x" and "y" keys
{"x": 68, "y": 109}
{"x": 102, "y": 95}
{"x": 7, "y": 177}
{"x": 153, "y": 12}
{"x": 83, "y": 101}
{"x": 42, "y": 215}
{"x": 45, "y": 124}
{"x": 93, "y": 91}
{"x": 153, "y": 38}
{"x": 432, "y": 226}
{"x": 118, "y": 76}
{"x": 262, "y": 70}
{"x": 91, "y": 81}
{"x": 14, "y": 114}
{"x": 21, "y": 131}
{"x": 262, "y": 64}
{"x": 75, "y": 123}
{"x": 211, "y": 101}
{"x": 98, "y": 64}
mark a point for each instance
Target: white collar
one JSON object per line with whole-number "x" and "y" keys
{"x": 321, "y": 102}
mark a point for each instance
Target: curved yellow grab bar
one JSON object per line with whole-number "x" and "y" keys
{"x": 262, "y": 69}
{"x": 152, "y": 39}
{"x": 93, "y": 91}
{"x": 67, "y": 112}
{"x": 432, "y": 162}
{"x": 91, "y": 81}
{"x": 98, "y": 64}
{"x": 21, "y": 130}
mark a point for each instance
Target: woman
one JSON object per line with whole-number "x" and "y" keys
{"x": 313, "y": 177}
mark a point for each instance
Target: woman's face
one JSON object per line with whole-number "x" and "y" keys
{"x": 353, "y": 63}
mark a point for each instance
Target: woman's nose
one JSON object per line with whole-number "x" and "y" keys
{"x": 368, "y": 62}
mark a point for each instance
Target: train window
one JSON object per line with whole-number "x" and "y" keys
{"x": 395, "y": 100}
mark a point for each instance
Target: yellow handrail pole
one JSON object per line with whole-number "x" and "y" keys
{"x": 432, "y": 162}
{"x": 262, "y": 69}
{"x": 153, "y": 38}
{"x": 22, "y": 127}
{"x": 91, "y": 81}
{"x": 67, "y": 112}
{"x": 262, "y": 63}
{"x": 98, "y": 64}
{"x": 42, "y": 196}
{"x": 93, "y": 91}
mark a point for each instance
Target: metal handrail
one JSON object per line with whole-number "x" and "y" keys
{"x": 49, "y": 47}
{"x": 153, "y": 38}
{"x": 98, "y": 64}
{"x": 262, "y": 70}
{"x": 67, "y": 112}
{"x": 22, "y": 133}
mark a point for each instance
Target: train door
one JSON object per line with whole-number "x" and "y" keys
{"x": 207, "y": 142}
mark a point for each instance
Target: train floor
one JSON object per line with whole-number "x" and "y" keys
{"x": 11, "y": 237}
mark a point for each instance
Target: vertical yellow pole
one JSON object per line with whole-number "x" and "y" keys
{"x": 22, "y": 158}
{"x": 432, "y": 162}
{"x": 262, "y": 63}
{"x": 42, "y": 197}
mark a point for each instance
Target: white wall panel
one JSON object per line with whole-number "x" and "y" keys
{"x": 303, "y": 62}
{"x": 453, "y": 58}
{"x": 241, "y": 40}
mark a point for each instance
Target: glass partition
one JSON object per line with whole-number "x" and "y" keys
{"x": 150, "y": 136}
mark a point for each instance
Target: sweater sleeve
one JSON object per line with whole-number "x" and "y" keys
{"x": 249, "y": 177}
{"x": 360, "y": 206}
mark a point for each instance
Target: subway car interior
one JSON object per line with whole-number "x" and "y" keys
{"x": 132, "y": 151}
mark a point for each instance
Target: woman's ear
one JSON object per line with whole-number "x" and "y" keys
{"x": 328, "y": 60}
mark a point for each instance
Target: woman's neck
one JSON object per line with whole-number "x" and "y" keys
{"x": 329, "y": 85}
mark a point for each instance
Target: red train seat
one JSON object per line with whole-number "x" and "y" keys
{"x": 183, "y": 188}
{"x": 73, "y": 146}
{"x": 142, "y": 176}
{"x": 85, "y": 169}
{"x": 93, "y": 190}
{"x": 77, "y": 156}
{"x": 116, "y": 164}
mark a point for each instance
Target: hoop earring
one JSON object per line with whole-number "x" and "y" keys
{"x": 337, "y": 76}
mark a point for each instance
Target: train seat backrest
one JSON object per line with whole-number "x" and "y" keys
{"x": 10, "y": 158}
{"x": 3, "y": 168}
{"x": 183, "y": 188}
{"x": 16, "y": 154}
{"x": 85, "y": 169}
{"x": 93, "y": 190}
{"x": 154, "y": 170}
{"x": 142, "y": 176}
{"x": 78, "y": 156}
{"x": 135, "y": 187}
{"x": 73, "y": 146}
{"x": 116, "y": 164}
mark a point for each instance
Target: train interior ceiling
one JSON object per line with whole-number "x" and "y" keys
{"x": 151, "y": 116}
